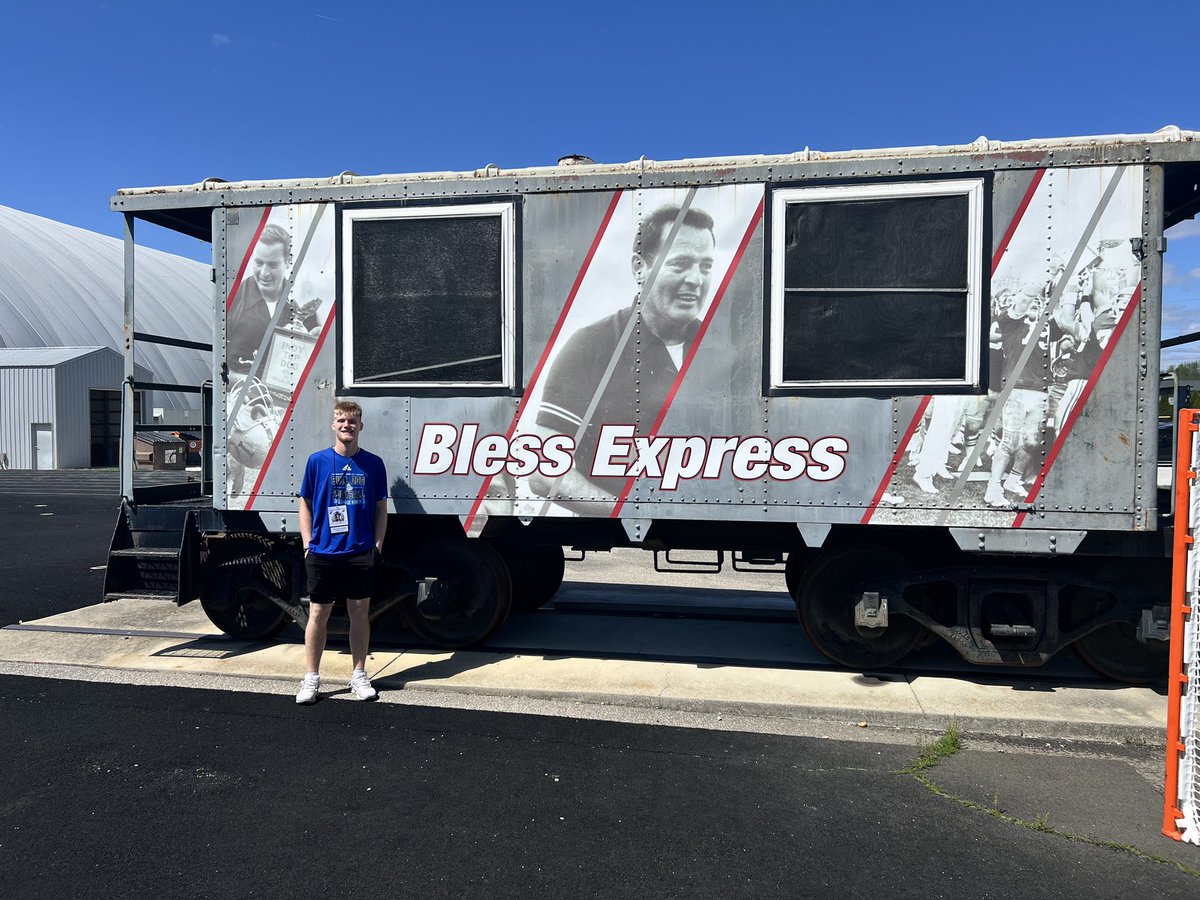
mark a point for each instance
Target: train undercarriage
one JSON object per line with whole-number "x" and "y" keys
{"x": 867, "y": 598}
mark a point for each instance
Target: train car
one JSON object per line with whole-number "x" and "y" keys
{"x": 924, "y": 381}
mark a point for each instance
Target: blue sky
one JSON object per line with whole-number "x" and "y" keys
{"x": 102, "y": 95}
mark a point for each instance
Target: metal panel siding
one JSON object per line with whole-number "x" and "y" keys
{"x": 26, "y": 397}
{"x": 74, "y": 381}
{"x": 1094, "y": 482}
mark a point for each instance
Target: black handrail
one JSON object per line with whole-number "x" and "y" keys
{"x": 170, "y": 341}
{"x": 158, "y": 386}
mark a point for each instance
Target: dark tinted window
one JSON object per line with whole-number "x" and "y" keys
{"x": 873, "y": 336}
{"x": 877, "y": 288}
{"x": 428, "y": 299}
{"x": 900, "y": 242}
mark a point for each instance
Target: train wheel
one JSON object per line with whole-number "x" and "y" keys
{"x": 536, "y": 571}
{"x": 470, "y": 598}
{"x": 793, "y": 570}
{"x": 1115, "y": 652}
{"x": 237, "y": 583}
{"x": 824, "y": 603}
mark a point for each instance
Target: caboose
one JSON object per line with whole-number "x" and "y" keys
{"x": 924, "y": 381}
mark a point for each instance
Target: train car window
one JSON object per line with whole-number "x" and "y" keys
{"x": 877, "y": 286}
{"x": 428, "y": 296}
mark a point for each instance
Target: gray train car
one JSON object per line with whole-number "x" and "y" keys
{"x": 925, "y": 381}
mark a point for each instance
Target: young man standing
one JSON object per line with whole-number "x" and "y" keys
{"x": 343, "y": 518}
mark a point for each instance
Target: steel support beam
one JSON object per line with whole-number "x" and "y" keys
{"x": 127, "y": 387}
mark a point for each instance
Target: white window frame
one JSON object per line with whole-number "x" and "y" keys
{"x": 972, "y": 188}
{"x": 508, "y": 288}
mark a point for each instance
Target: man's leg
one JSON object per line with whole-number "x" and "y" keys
{"x": 935, "y": 451}
{"x": 314, "y": 645}
{"x": 1003, "y": 454}
{"x": 315, "y": 634}
{"x": 360, "y": 637}
{"x": 360, "y": 632}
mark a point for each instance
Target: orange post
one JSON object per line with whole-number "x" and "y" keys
{"x": 1185, "y": 477}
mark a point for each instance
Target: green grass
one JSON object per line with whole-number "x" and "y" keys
{"x": 931, "y": 754}
{"x": 950, "y": 742}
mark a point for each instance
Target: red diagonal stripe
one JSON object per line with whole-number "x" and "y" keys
{"x": 1001, "y": 249}
{"x": 237, "y": 282}
{"x": 558, "y": 326}
{"x": 691, "y": 354}
{"x": 1077, "y": 409}
{"x": 287, "y": 415}
{"x": 896, "y": 457}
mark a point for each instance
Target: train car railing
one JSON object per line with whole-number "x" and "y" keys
{"x": 129, "y": 427}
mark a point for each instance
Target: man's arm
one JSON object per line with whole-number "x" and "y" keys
{"x": 305, "y": 522}
{"x": 380, "y": 523}
{"x": 567, "y": 489}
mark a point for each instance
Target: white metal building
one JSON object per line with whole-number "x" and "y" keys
{"x": 60, "y": 406}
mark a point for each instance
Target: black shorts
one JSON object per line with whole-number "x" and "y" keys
{"x": 333, "y": 578}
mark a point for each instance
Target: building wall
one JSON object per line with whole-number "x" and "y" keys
{"x": 74, "y": 380}
{"x": 26, "y": 397}
{"x": 57, "y": 394}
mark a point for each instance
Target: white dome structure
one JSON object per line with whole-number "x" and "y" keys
{"x": 62, "y": 286}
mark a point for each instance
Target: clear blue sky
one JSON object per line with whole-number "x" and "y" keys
{"x": 102, "y": 95}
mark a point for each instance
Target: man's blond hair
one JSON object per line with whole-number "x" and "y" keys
{"x": 348, "y": 407}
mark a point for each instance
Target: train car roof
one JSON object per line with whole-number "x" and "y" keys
{"x": 188, "y": 208}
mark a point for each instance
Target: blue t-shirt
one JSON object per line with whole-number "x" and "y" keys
{"x": 343, "y": 491}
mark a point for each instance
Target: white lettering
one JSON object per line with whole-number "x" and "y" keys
{"x": 524, "y": 454}
{"x": 647, "y": 456}
{"x": 558, "y": 452}
{"x": 718, "y": 449}
{"x": 434, "y": 455}
{"x": 789, "y": 462}
{"x": 685, "y": 459}
{"x": 462, "y": 463}
{"x": 750, "y": 458}
{"x": 490, "y": 455}
{"x": 827, "y": 460}
{"x": 622, "y": 453}
{"x": 608, "y": 451}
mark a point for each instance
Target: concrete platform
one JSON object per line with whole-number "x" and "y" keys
{"x": 712, "y": 667}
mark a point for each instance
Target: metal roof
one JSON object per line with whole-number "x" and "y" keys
{"x": 158, "y": 437}
{"x": 1170, "y": 134}
{"x": 62, "y": 286}
{"x": 48, "y": 357}
{"x": 188, "y": 208}
{"x": 14, "y": 357}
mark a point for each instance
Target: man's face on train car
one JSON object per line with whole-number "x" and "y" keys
{"x": 680, "y": 288}
{"x": 270, "y": 269}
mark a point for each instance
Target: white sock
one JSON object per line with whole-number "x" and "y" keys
{"x": 358, "y": 672}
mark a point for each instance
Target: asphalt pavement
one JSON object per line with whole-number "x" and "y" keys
{"x": 113, "y": 790}
{"x": 130, "y": 772}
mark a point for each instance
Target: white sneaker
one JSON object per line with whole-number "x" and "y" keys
{"x": 360, "y": 686}
{"x": 925, "y": 483}
{"x": 308, "y": 689}
{"x": 1013, "y": 485}
{"x": 995, "y": 496}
